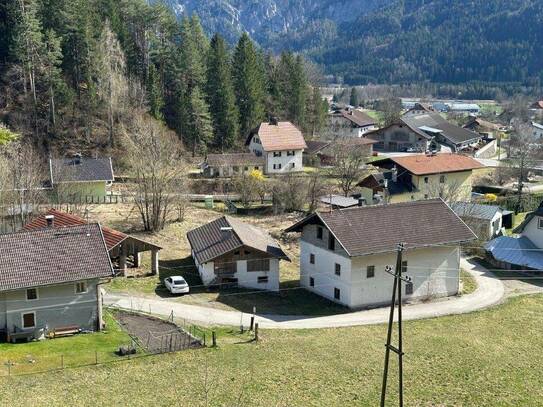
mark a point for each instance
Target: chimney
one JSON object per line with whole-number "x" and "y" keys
{"x": 274, "y": 121}
{"x": 50, "y": 219}
{"x": 226, "y": 232}
{"x": 361, "y": 201}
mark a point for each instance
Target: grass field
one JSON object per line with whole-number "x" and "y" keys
{"x": 77, "y": 350}
{"x": 488, "y": 358}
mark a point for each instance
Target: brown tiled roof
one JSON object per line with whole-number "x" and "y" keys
{"x": 379, "y": 228}
{"x": 112, "y": 237}
{"x": 279, "y": 137}
{"x": 359, "y": 141}
{"x": 476, "y": 121}
{"x": 223, "y": 160}
{"x": 357, "y": 117}
{"x": 422, "y": 164}
{"x": 314, "y": 146}
{"x": 208, "y": 241}
{"x": 53, "y": 256}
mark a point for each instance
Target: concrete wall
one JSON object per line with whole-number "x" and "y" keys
{"x": 435, "y": 273}
{"x": 56, "y": 306}
{"x": 206, "y": 271}
{"x": 487, "y": 151}
{"x": 456, "y": 183}
{"x": 96, "y": 189}
{"x": 289, "y": 163}
{"x": 230, "y": 171}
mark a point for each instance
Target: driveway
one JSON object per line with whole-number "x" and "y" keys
{"x": 489, "y": 292}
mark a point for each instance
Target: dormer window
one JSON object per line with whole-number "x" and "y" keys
{"x": 540, "y": 223}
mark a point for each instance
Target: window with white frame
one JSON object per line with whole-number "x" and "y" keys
{"x": 291, "y": 153}
{"x": 81, "y": 287}
{"x": 32, "y": 294}
{"x": 370, "y": 272}
{"x": 277, "y": 154}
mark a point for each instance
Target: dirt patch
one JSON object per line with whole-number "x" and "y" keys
{"x": 156, "y": 335}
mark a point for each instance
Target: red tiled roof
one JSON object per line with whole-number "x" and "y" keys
{"x": 112, "y": 237}
{"x": 421, "y": 164}
{"x": 280, "y": 136}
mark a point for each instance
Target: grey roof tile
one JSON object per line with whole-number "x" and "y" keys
{"x": 80, "y": 170}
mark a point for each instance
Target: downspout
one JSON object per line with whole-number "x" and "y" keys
{"x": 99, "y": 304}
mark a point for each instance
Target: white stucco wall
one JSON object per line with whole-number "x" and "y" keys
{"x": 289, "y": 163}
{"x": 532, "y": 232}
{"x": 206, "y": 271}
{"x": 435, "y": 273}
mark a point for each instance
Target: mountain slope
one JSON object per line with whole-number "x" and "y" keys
{"x": 397, "y": 41}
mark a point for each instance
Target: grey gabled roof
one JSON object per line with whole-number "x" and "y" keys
{"x": 528, "y": 218}
{"x": 474, "y": 210}
{"x": 379, "y": 228}
{"x": 455, "y": 134}
{"x": 80, "y": 170}
{"x": 53, "y": 256}
{"x": 208, "y": 241}
{"x": 339, "y": 200}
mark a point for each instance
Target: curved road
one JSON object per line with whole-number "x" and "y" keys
{"x": 490, "y": 291}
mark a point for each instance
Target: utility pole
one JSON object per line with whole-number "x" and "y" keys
{"x": 397, "y": 289}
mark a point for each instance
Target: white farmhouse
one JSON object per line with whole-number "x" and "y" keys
{"x": 281, "y": 144}
{"x": 349, "y": 122}
{"x": 227, "y": 251}
{"x": 344, "y": 252}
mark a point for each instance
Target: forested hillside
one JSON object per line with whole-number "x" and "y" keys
{"x": 398, "y": 41}
{"x": 75, "y": 74}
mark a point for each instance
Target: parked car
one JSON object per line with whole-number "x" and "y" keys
{"x": 176, "y": 285}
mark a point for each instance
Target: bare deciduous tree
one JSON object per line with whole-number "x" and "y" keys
{"x": 349, "y": 164}
{"x": 154, "y": 156}
{"x": 316, "y": 187}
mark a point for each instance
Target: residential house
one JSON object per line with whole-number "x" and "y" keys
{"x": 123, "y": 249}
{"x": 421, "y": 176}
{"x": 537, "y": 130}
{"x": 350, "y": 122}
{"x": 344, "y": 253}
{"x": 228, "y": 251}
{"x": 323, "y": 153}
{"x": 485, "y": 128}
{"x": 231, "y": 164}
{"x": 281, "y": 144}
{"x": 524, "y": 252}
{"x": 50, "y": 280}
{"x": 419, "y": 108}
{"x": 486, "y": 221}
{"x": 81, "y": 179}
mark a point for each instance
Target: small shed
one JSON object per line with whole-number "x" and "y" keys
{"x": 123, "y": 249}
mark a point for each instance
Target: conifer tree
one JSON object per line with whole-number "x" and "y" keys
{"x": 221, "y": 97}
{"x": 353, "y": 99}
{"x": 249, "y": 84}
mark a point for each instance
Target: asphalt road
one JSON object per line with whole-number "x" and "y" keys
{"x": 489, "y": 292}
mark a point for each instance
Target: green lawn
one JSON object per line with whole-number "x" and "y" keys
{"x": 487, "y": 358}
{"x": 71, "y": 351}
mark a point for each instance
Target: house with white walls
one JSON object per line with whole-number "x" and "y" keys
{"x": 281, "y": 144}
{"x": 229, "y": 252}
{"x": 344, "y": 253}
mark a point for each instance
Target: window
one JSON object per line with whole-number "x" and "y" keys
{"x": 29, "y": 320}
{"x": 540, "y": 223}
{"x": 290, "y": 153}
{"x": 312, "y": 258}
{"x": 409, "y": 288}
{"x": 277, "y": 153}
{"x": 245, "y": 168}
{"x": 81, "y": 287}
{"x": 236, "y": 253}
{"x": 32, "y": 294}
{"x": 370, "y": 272}
{"x": 258, "y": 265}
{"x": 338, "y": 269}
{"x": 262, "y": 279}
{"x": 425, "y": 196}
{"x": 442, "y": 179}
{"x": 292, "y": 165}
{"x": 246, "y": 252}
{"x": 404, "y": 266}
{"x": 425, "y": 180}
{"x": 331, "y": 242}
{"x": 311, "y": 282}
{"x": 276, "y": 166}
{"x": 319, "y": 232}
{"x": 337, "y": 293}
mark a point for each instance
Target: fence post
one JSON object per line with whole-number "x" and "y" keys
{"x": 252, "y": 323}
{"x": 204, "y": 339}
{"x": 256, "y": 332}
{"x": 9, "y": 367}
{"x": 62, "y": 361}
{"x": 213, "y": 339}
{"x": 95, "y": 357}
